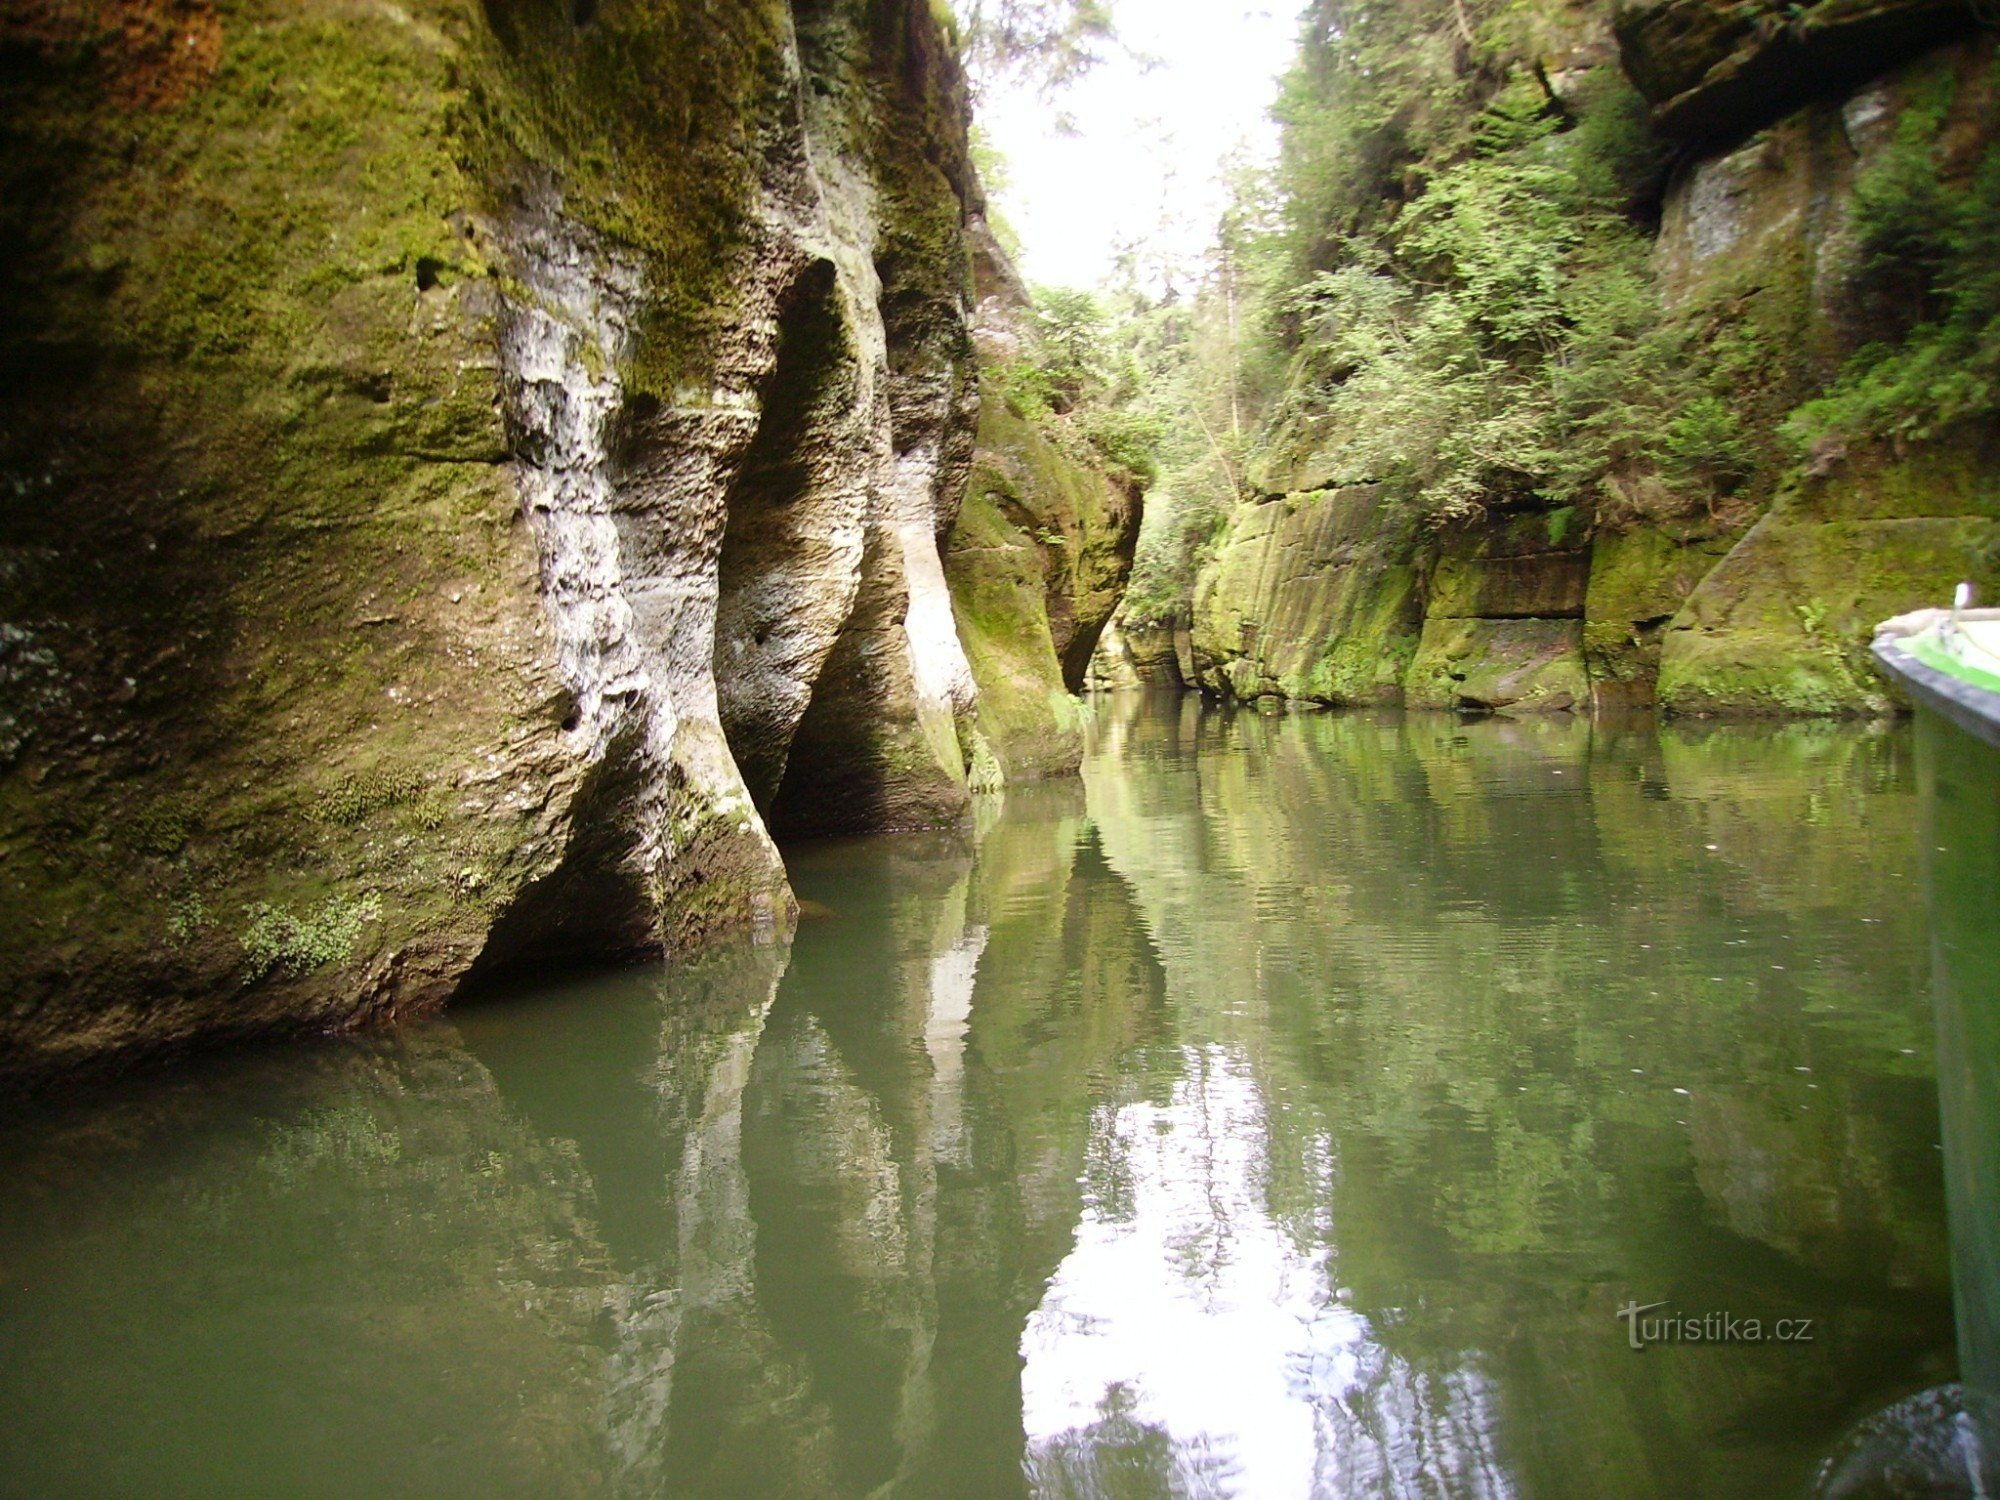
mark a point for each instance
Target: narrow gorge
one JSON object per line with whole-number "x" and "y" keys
{"x": 1624, "y": 356}
{"x": 477, "y": 474}
{"x": 913, "y": 749}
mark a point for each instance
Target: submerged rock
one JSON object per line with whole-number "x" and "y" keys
{"x": 1922, "y": 1445}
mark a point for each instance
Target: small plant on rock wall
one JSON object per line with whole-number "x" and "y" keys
{"x": 278, "y": 942}
{"x": 357, "y": 796}
{"x": 1934, "y": 246}
{"x": 163, "y": 829}
{"x": 1705, "y": 448}
{"x": 1071, "y": 325}
{"x": 186, "y": 917}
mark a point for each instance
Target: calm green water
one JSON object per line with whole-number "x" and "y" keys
{"x": 1284, "y": 1110}
{"x": 1960, "y": 794}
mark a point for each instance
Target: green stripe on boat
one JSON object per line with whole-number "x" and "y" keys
{"x": 1932, "y": 652}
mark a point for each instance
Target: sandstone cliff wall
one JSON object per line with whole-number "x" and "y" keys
{"x": 1038, "y": 558}
{"x": 473, "y": 472}
{"x": 1762, "y": 601}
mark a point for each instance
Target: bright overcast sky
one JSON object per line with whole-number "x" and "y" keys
{"x": 1150, "y": 141}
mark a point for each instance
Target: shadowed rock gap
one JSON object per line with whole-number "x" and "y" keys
{"x": 593, "y": 905}
{"x": 795, "y": 512}
{"x": 852, "y": 768}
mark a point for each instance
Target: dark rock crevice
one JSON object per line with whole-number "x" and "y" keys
{"x": 1716, "y": 74}
{"x": 795, "y": 509}
{"x": 593, "y": 905}
{"x": 851, "y": 770}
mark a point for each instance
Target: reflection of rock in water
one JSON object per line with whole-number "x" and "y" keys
{"x": 1119, "y": 1456}
{"x": 1565, "y": 1006}
{"x": 1924, "y": 1446}
{"x": 902, "y": 1161}
{"x": 1299, "y": 1116}
{"x": 705, "y": 1276}
{"x": 1826, "y": 1189}
{"x": 237, "y": 1267}
{"x": 1400, "y": 1431}
{"x": 646, "y": 1075}
{"x": 857, "y": 1085}
{"x": 1193, "y": 1342}
{"x": 952, "y": 973}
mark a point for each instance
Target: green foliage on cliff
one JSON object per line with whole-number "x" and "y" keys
{"x": 1071, "y": 382}
{"x": 1068, "y": 361}
{"x": 1499, "y": 340}
{"x": 1936, "y": 245}
{"x": 1182, "y": 389}
{"x": 1478, "y": 296}
{"x": 1169, "y": 366}
{"x": 1052, "y": 41}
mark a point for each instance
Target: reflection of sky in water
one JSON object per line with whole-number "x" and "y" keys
{"x": 1189, "y": 1343}
{"x": 1353, "y": 1007}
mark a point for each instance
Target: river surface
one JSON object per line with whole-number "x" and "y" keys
{"x": 1287, "y": 1108}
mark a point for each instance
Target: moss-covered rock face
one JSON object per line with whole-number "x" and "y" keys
{"x": 446, "y": 440}
{"x": 1037, "y": 560}
{"x": 1781, "y": 622}
{"x": 1503, "y": 623}
{"x": 1717, "y": 71}
{"x": 1480, "y": 664}
{"x": 1638, "y": 580}
{"x": 1768, "y": 265}
{"x": 1780, "y": 625}
{"x": 1311, "y": 596}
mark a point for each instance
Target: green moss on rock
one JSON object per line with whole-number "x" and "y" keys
{"x": 1638, "y": 580}
{"x": 1524, "y": 665}
{"x": 1315, "y": 597}
{"x": 1782, "y": 624}
{"x": 264, "y": 565}
{"x": 1036, "y": 562}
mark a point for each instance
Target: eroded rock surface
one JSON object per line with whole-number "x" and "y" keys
{"x": 1716, "y": 72}
{"x": 478, "y": 472}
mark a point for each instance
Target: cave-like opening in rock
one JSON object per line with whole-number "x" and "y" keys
{"x": 792, "y": 536}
